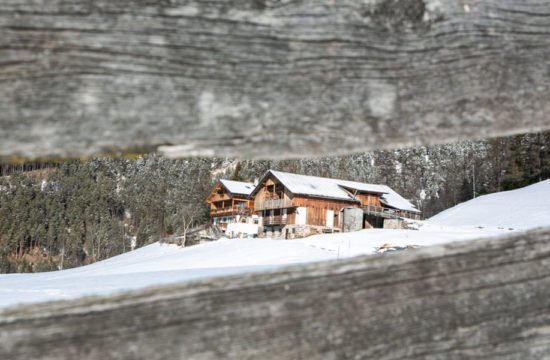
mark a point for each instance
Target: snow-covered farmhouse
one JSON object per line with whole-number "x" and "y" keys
{"x": 230, "y": 202}
{"x": 298, "y": 205}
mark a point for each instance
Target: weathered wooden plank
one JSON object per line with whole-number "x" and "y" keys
{"x": 292, "y": 76}
{"x": 298, "y": 77}
{"x": 481, "y": 299}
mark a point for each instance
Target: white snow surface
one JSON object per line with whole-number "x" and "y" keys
{"x": 238, "y": 187}
{"x": 520, "y": 209}
{"x": 242, "y": 228}
{"x": 163, "y": 264}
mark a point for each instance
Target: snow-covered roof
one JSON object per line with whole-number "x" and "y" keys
{"x": 311, "y": 185}
{"x": 396, "y": 201}
{"x": 238, "y": 187}
{"x": 363, "y": 187}
{"x": 339, "y": 189}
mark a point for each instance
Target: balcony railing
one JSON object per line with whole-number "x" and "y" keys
{"x": 389, "y": 213}
{"x": 235, "y": 210}
{"x": 272, "y": 204}
{"x": 380, "y": 211}
{"x": 275, "y": 220}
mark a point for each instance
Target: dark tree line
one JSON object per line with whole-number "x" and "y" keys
{"x": 82, "y": 212}
{"x": 73, "y": 213}
{"x": 434, "y": 178}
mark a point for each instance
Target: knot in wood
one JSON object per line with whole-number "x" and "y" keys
{"x": 267, "y": 4}
{"x": 398, "y": 15}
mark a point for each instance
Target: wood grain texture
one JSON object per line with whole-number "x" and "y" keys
{"x": 280, "y": 78}
{"x": 485, "y": 299}
{"x": 268, "y": 78}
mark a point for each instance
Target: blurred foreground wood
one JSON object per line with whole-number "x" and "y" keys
{"x": 268, "y": 78}
{"x": 479, "y": 299}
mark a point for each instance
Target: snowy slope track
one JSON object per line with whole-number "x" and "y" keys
{"x": 524, "y": 208}
{"x": 478, "y": 299}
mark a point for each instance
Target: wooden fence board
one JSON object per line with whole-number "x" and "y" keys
{"x": 267, "y": 78}
{"x": 479, "y": 299}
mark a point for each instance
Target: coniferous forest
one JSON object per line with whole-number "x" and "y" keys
{"x": 65, "y": 214}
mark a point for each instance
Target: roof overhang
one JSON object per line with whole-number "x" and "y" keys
{"x": 348, "y": 188}
{"x": 263, "y": 178}
{"x": 327, "y": 197}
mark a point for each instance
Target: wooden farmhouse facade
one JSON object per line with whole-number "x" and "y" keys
{"x": 293, "y": 205}
{"x": 230, "y": 202}
{"x": 298, "y": 205}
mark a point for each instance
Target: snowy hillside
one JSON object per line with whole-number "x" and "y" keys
{"x": 520, "y": 209}
{"x": 161, "y": 264}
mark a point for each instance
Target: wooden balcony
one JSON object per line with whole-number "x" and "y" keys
{"x": 230, "y": 210}
{"x": 389, "y": 213}
{"x": 275, "y": 220}
{"x": 380, "y": 211}
{"x": 272, "y": 204}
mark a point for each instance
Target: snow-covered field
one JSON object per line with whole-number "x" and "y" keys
{"x": 523, "y": 208}
{"x": 161, "y": 264}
